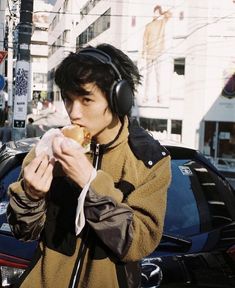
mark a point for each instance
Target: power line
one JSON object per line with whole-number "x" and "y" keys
{"x": 118, "y": 15}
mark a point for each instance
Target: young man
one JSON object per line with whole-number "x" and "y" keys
{"x": 126, "y": 200}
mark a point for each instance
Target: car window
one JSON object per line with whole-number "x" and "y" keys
{"x": 199, "y": 200}
{"x": 182, "y": 215}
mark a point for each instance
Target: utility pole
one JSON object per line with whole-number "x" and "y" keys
{"x": 11, "y": 20}
{"x": 22, "y": 75}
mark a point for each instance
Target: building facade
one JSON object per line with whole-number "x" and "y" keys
{"x": 39, "y": 51}
{"x": 184, "y": 50}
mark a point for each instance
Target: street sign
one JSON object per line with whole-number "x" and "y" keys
{"x": 2, "y": 82}
{"x": 3, "y": 55}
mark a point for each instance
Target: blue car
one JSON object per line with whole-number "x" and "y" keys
{"x": 198, "y": 245}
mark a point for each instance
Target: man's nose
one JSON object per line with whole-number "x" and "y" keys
{"x": 75, "y": 110}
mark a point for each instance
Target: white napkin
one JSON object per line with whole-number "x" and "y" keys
{"x": 80, "y": 218}
{"x": 45, "y": 143}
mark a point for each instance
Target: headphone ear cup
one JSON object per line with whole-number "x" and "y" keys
{"x": 121, "y": 98}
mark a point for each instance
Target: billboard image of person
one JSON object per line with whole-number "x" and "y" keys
{"x": 153, "y": 48}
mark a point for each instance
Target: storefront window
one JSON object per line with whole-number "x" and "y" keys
{"x": 219, "y": 143}
{"x": 210, "y": 139}
{"x": 150, "y": 124}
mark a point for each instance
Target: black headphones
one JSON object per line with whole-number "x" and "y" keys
{"x": 121, "y": 95}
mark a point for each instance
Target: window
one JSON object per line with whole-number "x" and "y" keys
{"x": 176, "y": 127}
{"x": 151, "y": 124}
{"x": 179, "y": 66}
{"x": 65, "y": 36}
{"x": 182, "y": 216}
{"x": 95, "y": 29}
{"x": 88, "y": 7}
{"x": 40, "y": 78}
{"x": 181, "y": 15}
{"x": 219, "y": 144}
{"x": 66, "y": 5}
{"x": 198, "y": 199}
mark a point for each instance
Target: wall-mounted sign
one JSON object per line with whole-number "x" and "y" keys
{"x": 21, "y": 94}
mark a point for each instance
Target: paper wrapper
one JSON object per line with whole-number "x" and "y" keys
{"x": 45, "y": 143}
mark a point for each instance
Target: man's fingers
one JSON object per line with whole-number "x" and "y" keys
{"x": 38, "y": 175}
{"x": 56, "y": 143}
{"x": 33, "y": 165}
{"x": 38, "y": 164}
{"x": 48, "y": 173}
{"x": 42, "y": 166}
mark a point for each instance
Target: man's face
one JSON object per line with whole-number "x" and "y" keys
{"x": 90, "y": 111}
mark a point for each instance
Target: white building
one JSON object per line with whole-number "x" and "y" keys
{"x": 62, "y": 19}
{"x": 190, "y": 105}
{"x": 39, "y": 50}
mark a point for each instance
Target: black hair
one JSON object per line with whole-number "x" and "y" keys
{"x": 78, "y": 69}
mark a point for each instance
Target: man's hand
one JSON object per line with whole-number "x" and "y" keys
{"x": 73, "y": 160}
{"x": 38, "y": 177}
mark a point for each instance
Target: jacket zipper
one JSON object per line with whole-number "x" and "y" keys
{"x": 79, "y": 262}
{"x": 96, "y": 156}
{"x": 95, "y": 164}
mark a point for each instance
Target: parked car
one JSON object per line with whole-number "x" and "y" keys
{"x": 198, "y": 245}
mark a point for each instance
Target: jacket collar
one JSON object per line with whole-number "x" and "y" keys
{"x": 121, "y": 137}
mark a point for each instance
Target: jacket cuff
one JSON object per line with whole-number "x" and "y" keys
{"x": 17, "y": 191}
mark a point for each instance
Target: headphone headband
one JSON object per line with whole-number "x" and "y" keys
{"x": 100, "y": 56}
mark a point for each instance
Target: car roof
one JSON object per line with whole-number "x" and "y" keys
{"x": 24, "y": 145}
{"x": 21, "y": 147}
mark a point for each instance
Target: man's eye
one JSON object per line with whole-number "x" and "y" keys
{"x": 86, "y": 100}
